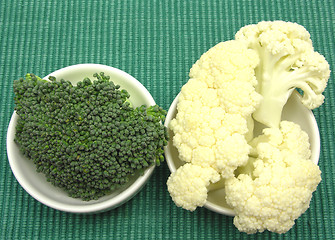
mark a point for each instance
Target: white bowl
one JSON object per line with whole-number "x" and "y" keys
{"x": 293, "y": 111}
{"x": 35, "y": 183}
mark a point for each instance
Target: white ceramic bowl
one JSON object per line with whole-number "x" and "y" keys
{"x": 35, "y": 183}
{"x": 293, "y": 111}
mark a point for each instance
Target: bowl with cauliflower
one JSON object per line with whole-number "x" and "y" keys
{"x": 243, "y": 138}
{"x": 215, "y": 200}
{"x": 84, "y": 139}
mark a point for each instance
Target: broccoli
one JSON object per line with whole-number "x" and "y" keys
{"x": 87, "y": 139}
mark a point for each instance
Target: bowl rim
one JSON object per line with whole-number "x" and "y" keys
{"x": 101, "y": 206}
{"x": 314, "y": 141}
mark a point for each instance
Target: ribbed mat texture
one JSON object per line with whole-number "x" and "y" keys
{"x": 156, "y": 42}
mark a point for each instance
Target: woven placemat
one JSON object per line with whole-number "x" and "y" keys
{"x": 157, "y": 42}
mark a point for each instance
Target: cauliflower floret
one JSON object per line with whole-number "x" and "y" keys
{"x": 211, "y": 124}
{"x": 211, "y": 114}
{"x": 287, "y": 61}
{"x": 197, "y": 90}
{"x": 225, "y": 62}
{"x": 230, "y": 153}
{"x": 244, "y": 102}
{"x": 280, "y": 186}
{"x": 229, "y": 67}
{"x": 289, "y": 138}
{"x": 188, "y": 185}
{"x": 231, "y": 124}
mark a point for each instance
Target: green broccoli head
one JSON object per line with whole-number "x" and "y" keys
{"x": 87, "y": 139}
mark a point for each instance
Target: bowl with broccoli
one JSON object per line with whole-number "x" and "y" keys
{"x": 85, "y": 138}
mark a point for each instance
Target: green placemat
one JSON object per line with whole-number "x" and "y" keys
{"x": 157, "y": 42}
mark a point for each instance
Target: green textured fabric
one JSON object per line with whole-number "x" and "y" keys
{"x": 157, "y": 42}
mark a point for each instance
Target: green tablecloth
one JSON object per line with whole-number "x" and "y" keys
{"x": 157, "y": 42}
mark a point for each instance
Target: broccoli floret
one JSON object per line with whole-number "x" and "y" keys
{"x": 87, "y": 139}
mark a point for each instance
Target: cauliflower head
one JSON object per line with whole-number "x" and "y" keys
{"x": 279, "y": 187}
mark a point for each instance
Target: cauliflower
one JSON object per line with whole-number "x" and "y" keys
{"x": 207, "y": 124}
{"x": 268, "y": 179}
{"x": 188, "y": 185}
{"x": 210, "y": 127}
{"x": 287, "y": 61}
{"x": 279, "y": 187}
{"x": 222, "y": 70}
